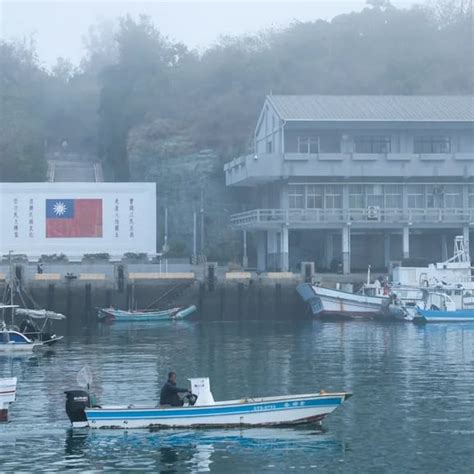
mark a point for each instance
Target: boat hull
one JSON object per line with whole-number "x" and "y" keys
{"x": 266, "y": 412}
{"x": 7, "y": 396}
{"x": 335, "y": 303}
{"x": 130, "y": 316}
{"x": 439, "y": 316}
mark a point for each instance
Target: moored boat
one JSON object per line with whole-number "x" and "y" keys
{"x": 201, "y": 411}
{"x": 28, "y": 337}
{"x": 7, "y": 396}
{"x": 331, "y": 302}
{"x": 119, "y": 315}
{"x": 445, "y": 316}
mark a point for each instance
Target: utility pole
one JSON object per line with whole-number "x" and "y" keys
{"x": 194, "y": 235}
{"x": 202, "y": 221}
{"x": 165, "y": 243}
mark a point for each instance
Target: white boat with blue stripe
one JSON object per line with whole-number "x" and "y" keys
{"x": 201, "y": 411}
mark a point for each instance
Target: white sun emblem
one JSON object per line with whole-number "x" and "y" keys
{"x": 59, "y": 208}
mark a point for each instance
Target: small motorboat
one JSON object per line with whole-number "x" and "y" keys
{"x": 445, "y": 316}
{"x": 7, "y": 396}
{"x": 119, "y": 315}
{"x": 15, "y": 341}
{"x": 31, "y": 327}
{"x": 29, "y": 336}
{"x": 441, "y": 308}
{"x": 201, "y": 411}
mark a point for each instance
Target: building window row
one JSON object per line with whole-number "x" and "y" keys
{"x": 372, "y": 144}
{"x": 387, "y": 196}
{"x": 381, "y": 144}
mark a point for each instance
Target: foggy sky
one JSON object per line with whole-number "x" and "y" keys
{"x": 59, "y": 26}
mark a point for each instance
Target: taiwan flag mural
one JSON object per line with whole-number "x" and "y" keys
{"x": 73, "y": 218}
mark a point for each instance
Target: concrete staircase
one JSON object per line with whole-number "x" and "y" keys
{"x": 67, "y": 170}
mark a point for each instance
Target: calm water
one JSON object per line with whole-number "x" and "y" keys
{"x": 413, "y": 404}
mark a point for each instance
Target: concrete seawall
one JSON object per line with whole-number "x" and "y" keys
{"x": 78, "y": 290}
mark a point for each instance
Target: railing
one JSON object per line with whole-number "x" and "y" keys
{"x": 357, "y": 216}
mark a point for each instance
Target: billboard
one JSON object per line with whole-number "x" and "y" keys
{"x": 77, "y": 218}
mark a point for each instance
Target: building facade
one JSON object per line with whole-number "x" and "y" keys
{"x": 347, "y": 181}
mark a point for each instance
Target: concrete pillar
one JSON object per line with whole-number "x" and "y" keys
{"x": 386, "y": 250}
{"x": 284, "y": 250}
{"x": 345, "y": 203}
{"x": 444, "y": 247}
{"x": 245, "y": 260}
{"x": 465, "y": 234}
{"x": 261, "y": 250}
{"x": 273, "y": 250}
{"x": 406, "y": 242}
{"x": 329, "y": 250}
{"x": 346, "y": 250}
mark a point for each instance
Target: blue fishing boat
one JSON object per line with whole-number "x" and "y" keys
{"x": 119, "y": 315}
{"x": 200, "y": 410}
{"x": 444, "y": 316}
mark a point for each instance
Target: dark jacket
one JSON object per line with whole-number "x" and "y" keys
{"x": 169, "y": 394}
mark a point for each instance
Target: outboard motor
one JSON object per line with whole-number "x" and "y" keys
{"x": 76, "y": 403}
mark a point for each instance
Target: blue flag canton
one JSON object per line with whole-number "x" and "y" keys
{"x": 59, "y": 208}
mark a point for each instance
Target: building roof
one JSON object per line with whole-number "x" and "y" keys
{"x": 392, "y": 108}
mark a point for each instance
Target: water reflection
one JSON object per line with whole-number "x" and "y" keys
{"x": 415, "y": 382}
{"x": 198, "y": 451}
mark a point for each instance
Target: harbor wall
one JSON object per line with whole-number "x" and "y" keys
{"x": 217, "y": 299}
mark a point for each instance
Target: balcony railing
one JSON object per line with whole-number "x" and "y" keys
{"x": 367, "y": 216}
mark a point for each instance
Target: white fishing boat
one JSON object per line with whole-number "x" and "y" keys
{"x": 201, "y": 411}
{"x": 7, "y": 396}
{"x": 370, "y": 301}
{"x": 455, "y": 272}
{"x": 28, "y": 337}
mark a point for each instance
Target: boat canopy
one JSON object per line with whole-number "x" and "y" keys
{"x": 40, "y": 314}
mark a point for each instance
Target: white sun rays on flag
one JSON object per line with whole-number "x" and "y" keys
{"x": 60, "y": 208}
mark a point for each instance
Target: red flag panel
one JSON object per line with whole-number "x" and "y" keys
{"x": 86, "y": 222}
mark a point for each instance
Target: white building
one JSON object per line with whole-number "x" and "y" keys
{"x": 77, "y": 218}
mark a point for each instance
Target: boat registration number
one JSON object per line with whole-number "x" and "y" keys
{"x": 264, "y": 407}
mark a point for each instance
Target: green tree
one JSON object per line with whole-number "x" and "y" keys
{"x": 21, "y": 126}
{"x": 136, "y": 86}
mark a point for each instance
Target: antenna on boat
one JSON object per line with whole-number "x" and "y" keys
{"x": 84, "y": 377}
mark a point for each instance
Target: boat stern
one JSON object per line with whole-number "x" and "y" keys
{"x": 76, "y": 403}
{"x": 7, "y": 396}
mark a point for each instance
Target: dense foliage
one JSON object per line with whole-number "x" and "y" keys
{"x": 138, "y": 100}
{"x": 133, "y": 76}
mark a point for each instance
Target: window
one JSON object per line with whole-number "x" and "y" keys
{"x": 314, "y": 196}
{"x": 393, "y": 196}
{"x": 374, "y": 194}
{"x": 269, "y": 148}
{"x": 452, "y": 195}
{"x": 434, "y": 196}
{"x": 372, "y": 144}
{"x": 415, "y": 196}
{"x": 296, "y": 196}
{"x": 356, "y": 196}
{"x": 308, "y": 145}
{"x": 433, "y": 144}
{"x": 333, "y": 197}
